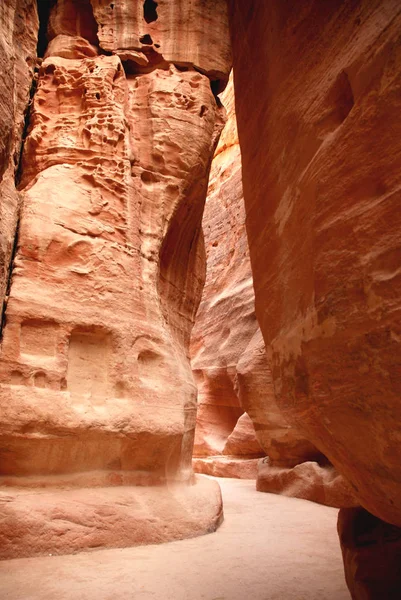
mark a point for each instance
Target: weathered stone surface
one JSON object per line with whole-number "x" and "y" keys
{"x": 194, "y": 33}
{"x": 96, "y": 384}
{"x": 318, "y": 115}
{"x": 308, "y": 480}
{"x": 372, "y": 555}
{"x": 283, "y": 443}
{"x": 74, "y": 18}
{"x": 225, "y": 319}
{"x": 18, "y": 38}
{"x": 69, "y": 520}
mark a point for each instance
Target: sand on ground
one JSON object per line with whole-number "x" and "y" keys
{"x": 268, "y": 548}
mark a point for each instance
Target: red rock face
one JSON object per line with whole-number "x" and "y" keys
{"x": 230, "y": 363}
{"x": 225, "y": 321}
{"x": 371, "y": 552}
{"x": 18, "y": 39}
{"x": 318, "y": 111}
{"x": 96, "y": 384}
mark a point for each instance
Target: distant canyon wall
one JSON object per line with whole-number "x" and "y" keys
{"x": 228, "y": 356}
{"x": 238, "y": 416}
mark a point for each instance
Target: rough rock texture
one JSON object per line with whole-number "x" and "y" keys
{"x": 372, "y": 555}
{"x": 193, "y": 34}
{"x": 320, "y": 133}
{"x": 186, "y": 33}
{"x": 70, "y": 520}
{"x": 308, "y": 480}
{"x": 108, "y": 273}
{"x": 18, "y": 39}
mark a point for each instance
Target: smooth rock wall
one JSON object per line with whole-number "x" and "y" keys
{"x": 318, "y": 108}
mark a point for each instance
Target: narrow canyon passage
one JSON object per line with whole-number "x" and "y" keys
{"x": 269, "y": 547}
{"x": 140, "y": 344}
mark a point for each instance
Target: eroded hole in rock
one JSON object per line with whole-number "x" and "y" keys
{"x": 148, "y": 177}
{"x": 50, "y": 69}
{"x": 150, "y": 11}
{"x": 40, "y": 379}
{"x": 150, "y": 364}
{"x": 343, "y": 96}
{"x": 146, "y": 40}
{"x": 17, "y": 378}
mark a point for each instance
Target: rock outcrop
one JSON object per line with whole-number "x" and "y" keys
{"x": 18, "y": 40}
{"x": 309, "y": 480}
{"x": 96, "y": 385}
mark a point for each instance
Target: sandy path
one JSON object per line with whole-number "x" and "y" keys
{"x": 269, "y": 547}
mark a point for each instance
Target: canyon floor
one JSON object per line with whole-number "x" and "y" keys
{"x": 269, "y": 547}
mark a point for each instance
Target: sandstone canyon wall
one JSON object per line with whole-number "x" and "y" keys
{"x": 319, "y": 128}
{"x": 236, "y": 395}
{"x": 18, "y": 39}
{"x": 96, "y": 385}
{"x": 225, "y": 442}
{"x": 228, "y": 354}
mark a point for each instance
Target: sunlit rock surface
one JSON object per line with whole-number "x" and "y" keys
{"x": 96, "y": 385}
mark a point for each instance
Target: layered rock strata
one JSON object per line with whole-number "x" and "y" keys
{"x": 96, "y": 386}
{"x": 319, "y": 127}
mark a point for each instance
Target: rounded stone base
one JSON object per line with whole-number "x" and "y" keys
{"x": 36, "y": 521}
